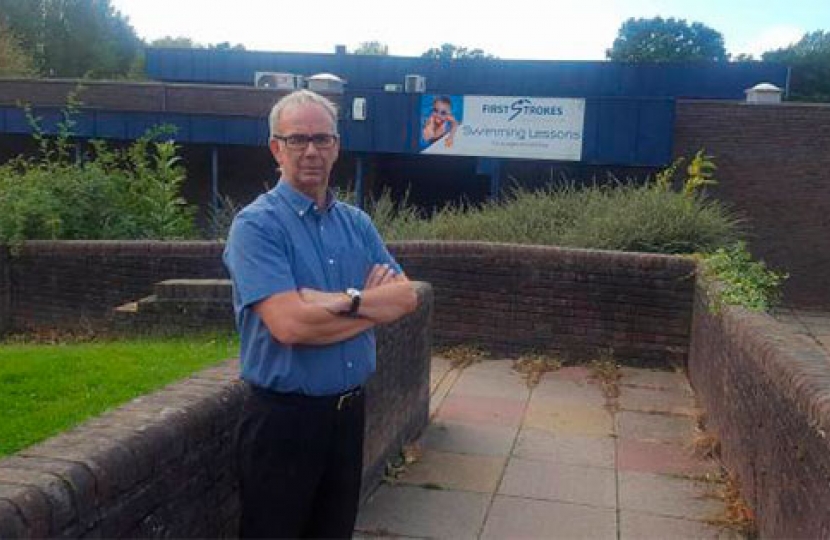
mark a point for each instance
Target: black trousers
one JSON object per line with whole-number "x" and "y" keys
{"x": 300, "y": 461}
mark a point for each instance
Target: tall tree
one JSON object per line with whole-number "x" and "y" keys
{"x": 372, "y": 48}
{"x": 73, "y": 38}
{"x": 14, "y": 60}
{"x": 666, "y": 40}
{"x": 448, "y": 51}
{"x": 809, "y": 60}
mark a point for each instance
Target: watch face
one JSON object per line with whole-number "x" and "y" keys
{"x": 351, "y": 291}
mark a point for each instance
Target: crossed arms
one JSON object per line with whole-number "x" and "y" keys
{"x": 312, "y": 317}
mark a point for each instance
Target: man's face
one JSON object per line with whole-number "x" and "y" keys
{"x": 306, "y": 169}
{"x": 440, "y": 111}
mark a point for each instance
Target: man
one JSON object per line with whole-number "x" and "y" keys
{"x": 311, "y": 278}
{"x": 440, "y": 122}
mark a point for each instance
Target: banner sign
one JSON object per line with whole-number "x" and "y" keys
{"x": 502, "y": 126}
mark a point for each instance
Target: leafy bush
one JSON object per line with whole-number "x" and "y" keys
{"x": 114, "y": 194}
{"x": 744, "y": 281}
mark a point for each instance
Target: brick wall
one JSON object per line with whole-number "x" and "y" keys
{"x": 67, "y": 284}
{"x": 766, "y": 392}
{"x": 512, "y": 298}
{"x": 774, "y": 168}
{"x": 161, "y": 466}
{"x": 506, "y": 298}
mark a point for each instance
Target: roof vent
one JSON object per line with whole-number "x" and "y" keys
{"x": 763, "y": 93}
{"x": 326, "y": 83}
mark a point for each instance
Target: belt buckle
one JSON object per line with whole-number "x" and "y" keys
{"x": 344, "y": 399}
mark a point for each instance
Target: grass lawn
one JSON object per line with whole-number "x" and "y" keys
{"x": 46, "y": 389}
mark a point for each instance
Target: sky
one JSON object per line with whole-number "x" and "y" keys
{"x": 516, "y": 29}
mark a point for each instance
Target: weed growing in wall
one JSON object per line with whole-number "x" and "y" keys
{"x": 744, "y": 281}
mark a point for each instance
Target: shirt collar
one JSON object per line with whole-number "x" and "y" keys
{"x": 300, "y": 202}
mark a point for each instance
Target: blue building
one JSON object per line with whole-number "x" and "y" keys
{"x": 523, "y": 120}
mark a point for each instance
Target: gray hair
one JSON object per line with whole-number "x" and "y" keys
{"x": 300, "y": 97}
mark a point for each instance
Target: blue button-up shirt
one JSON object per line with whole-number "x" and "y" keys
{"x": 283, "y": 242}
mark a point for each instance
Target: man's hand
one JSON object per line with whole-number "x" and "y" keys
{"x": 381, "y": 274}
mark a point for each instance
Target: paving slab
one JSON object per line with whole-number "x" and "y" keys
{"x": 441, "y": 391}
{"x": 569, "y": 419}
{"x": 418, "y": 512}
{"x": 499, "y": 367}
{"x": 639, "y": 526}
{"x": 566, "y": 449}
{"x": 491, "y": 385}
{"x": 568, "y": 391}
{"x": 643, "y": 399}
{"x": 464, "y": 472}
{"x": 655, "y": 427}
{"x": 557, "y": 482}
{"x": 577, "y": 374}
{"x": 477, "y": 409}
{"x": 661, "y": 458}
{"x": 667, "y": 496}
{"x": 479, "y": 439}
{"x": 653, "y": 378}
{"x": 512, "y": 517}
{"x": 503, "y": 461}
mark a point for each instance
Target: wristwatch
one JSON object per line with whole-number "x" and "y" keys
{"x": 354, "y": 295}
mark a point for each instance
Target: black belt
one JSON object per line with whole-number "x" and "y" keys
{"x": 338, "y": 401}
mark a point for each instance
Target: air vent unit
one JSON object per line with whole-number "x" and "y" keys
{"x": 415, "y": 84}
{"x": 278, "y": 81}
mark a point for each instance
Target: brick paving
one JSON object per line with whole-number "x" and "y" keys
{"x": 561, "y": 460}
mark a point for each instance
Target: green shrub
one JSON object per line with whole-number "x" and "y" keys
{"x": 622, "y": 217}
{"x": 743, "y": 281}
{"x": 114, "y": 194}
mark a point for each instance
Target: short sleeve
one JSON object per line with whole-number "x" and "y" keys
{"x": 258, "y": 261}
{"x": 375, "y": 245}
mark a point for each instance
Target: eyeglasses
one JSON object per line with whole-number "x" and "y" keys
{"x": 322, "y": 141}
{"x": 440, "y": 112}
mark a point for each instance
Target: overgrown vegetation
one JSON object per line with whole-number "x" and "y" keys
{"x": 47, "y": 389}
{"x": 669, "y": 214}
{"x": 131, "y": 193}
{"x": 651, "y": 217}
{"x": 742, "y": 280}
{"x": 463, "y": 356}
{"x": 533, "y": 366}
{"x": 605, "y": 371}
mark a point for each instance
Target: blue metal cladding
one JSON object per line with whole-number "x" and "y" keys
{"x": 629, "y": 115}
{"x": 618, "y": 131}
{"x": 189, "y": 128}
{"x": 474, "y": 77}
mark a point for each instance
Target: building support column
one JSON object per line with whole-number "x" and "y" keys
{"x": 492, "y": 168}
{"x": 358, "y": 181}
